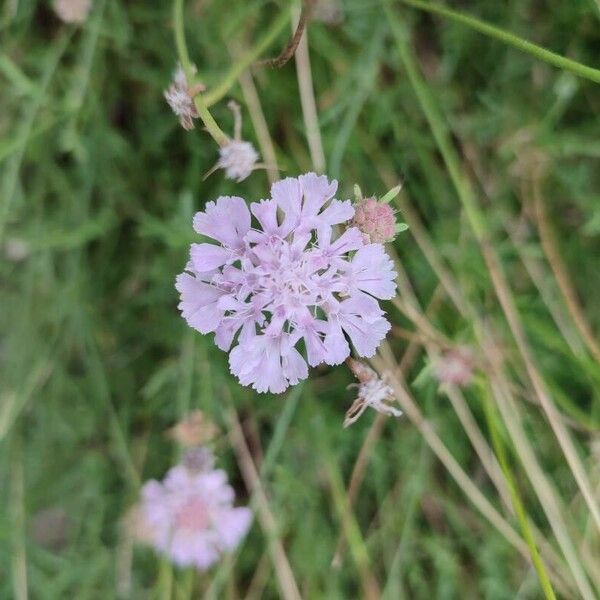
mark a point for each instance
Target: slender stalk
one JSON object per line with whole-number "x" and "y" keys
{"x": 561, "y": 273}
{"x": 257, "y": 115}
{"x": 222, "y": 89}
{"x": 211, "y": 125}
{"x": 307, "y": 100}
{"x": 493, "y": 425}
{"x": 283, "y": 571}
{"x": 19, "y": 554}
{"x": 410, "y": 408}
{"x": 539, "y": 52}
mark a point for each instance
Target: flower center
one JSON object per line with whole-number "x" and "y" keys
{"x": 193, "y": 515}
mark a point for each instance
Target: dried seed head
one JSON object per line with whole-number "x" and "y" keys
{"x": 238, "y": 159}
{"x": 72, "y": 11}
{"x": 373, "y": 391}
{"x": 376, "y": 220}
{"x": 180, "y": 99}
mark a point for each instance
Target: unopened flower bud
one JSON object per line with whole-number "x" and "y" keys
{"x": 376, "y": 220}
{"x": 455, "y": 367}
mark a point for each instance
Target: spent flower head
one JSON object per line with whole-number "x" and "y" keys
{"x": 237, "y": 159}
{"x": 72, "y": 11}
{"x": 189, "y": 517}
{"x": 180, "y": 99}
{"x": 373, "y": 392}
{"x": 285, "y": 278}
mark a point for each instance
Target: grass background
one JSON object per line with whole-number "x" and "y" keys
{"x": 100, "y": 182}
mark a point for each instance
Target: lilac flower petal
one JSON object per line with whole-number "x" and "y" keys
{"x": 227, "y": 221}
{"x": 317, "y": 190}
{"x": 365, "y": 336}
{"x": 373, "y": 272}
{"x": 233, "y": 527}
{"x": 337, "y": 212}
{"x": 207, "y": 257}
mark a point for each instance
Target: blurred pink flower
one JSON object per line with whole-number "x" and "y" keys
{"x": 190, "y": 518}
{"x": 455, "y": 367}
{"x": 291, "y": 277}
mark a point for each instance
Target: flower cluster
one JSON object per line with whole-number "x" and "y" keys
{"x": 189, "y": 517}
{"x": 287, "y": 280}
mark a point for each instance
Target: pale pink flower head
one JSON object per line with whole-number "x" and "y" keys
{"x": 281, "y": 275}
{"x": 376, "y": 220}
{"x": 189, "y": 517}
{"x": 455, "y": 366}
{"x": 238, "y": 159}
{"x": 72, "y": 11}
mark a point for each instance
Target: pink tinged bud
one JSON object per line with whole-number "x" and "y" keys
{"x": 376, "y": 220}
{"x": 455, "y": 367}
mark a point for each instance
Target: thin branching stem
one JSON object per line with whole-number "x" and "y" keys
{"x": 220, "y": 90}
{"x": 538, "y": 563}
{"x": 209, "y": 122}
{"x": 539, "y": 52}
{"x": 287, "y": 53}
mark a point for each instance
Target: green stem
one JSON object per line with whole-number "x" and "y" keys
{"x": 211, "y": 125}
{"x": 228, "y": 81}
{"x": 508, "y": 38}
{"x": 492, "y": 421}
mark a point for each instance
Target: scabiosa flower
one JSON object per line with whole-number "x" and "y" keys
{"x": 287, "y": 279}
{"x": 455, "y": 367}
{"x": 373, "y": 391}
{"x": 189, "y": 517}
{"x": 72, "y": 11}
{"x": 180, "y": 100}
